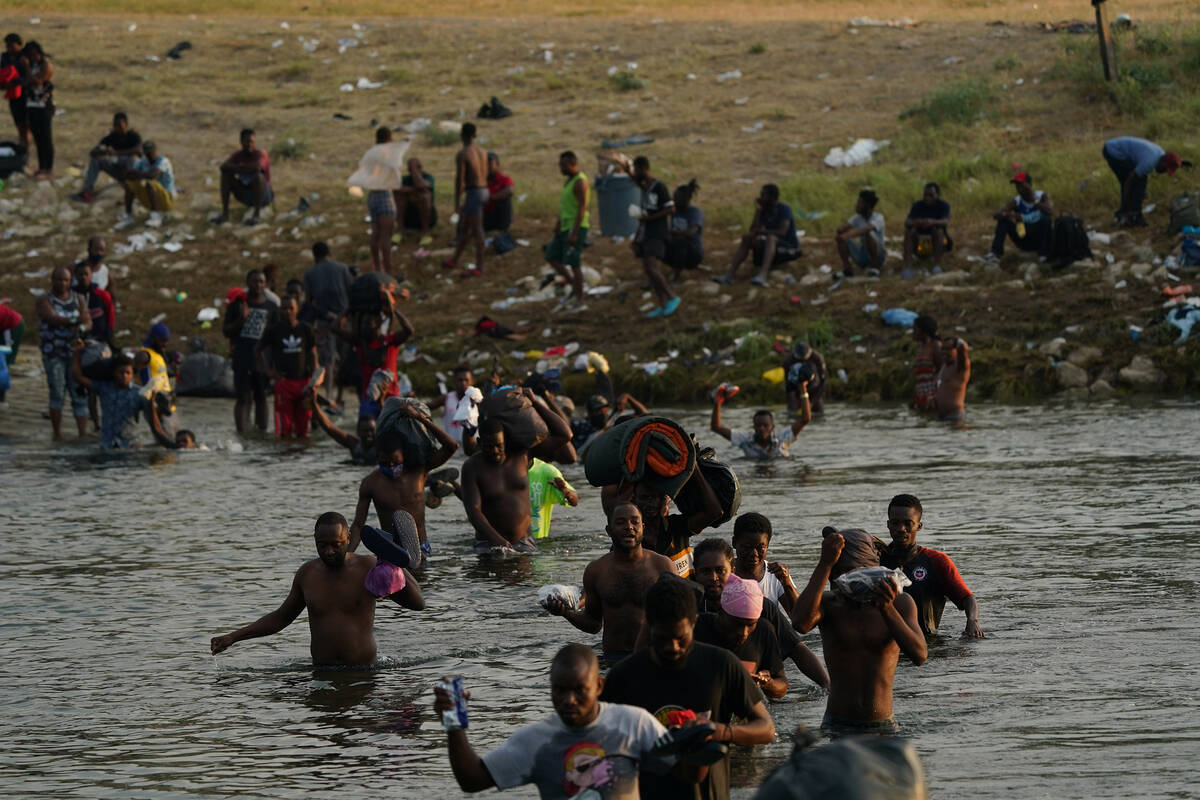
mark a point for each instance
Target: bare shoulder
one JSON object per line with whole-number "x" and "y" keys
{"x": 904, "y": 603}
{"x": 660, "y": 563}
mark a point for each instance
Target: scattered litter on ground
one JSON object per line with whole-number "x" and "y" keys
{"x": 729, "y": 76}
{"x": 613, "y": 144}
{"x": 901, "y": 317}
{"x": 870, "y": 22}
{"x": 858, "y": 153}
{"x": 176, "y": 52}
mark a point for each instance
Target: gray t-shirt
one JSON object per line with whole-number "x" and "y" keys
{"x": 600, "y": 759}
{"x": 327, "y": 284}
{"x": 876, "y": 223}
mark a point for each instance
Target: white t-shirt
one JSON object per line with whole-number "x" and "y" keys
{"x": 778, "y": 447}
{"x": 771, "y": 586}
{"x": 598, "y": 760}
{"x": 876, "y": 223}
{"x": 448, "y": 424}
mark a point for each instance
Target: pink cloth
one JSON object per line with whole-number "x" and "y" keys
{"x": 742, "y": 598}
{"x": 385, "y": 579}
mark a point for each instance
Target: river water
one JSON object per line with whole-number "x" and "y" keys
{"x": 1072, "y": 525}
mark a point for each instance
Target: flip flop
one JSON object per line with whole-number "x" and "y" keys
{"x": 672, "y": 306}
{"x": 385, "y": 547}
{"x": 404, "y": 533}
{"x": 446, "y": 474}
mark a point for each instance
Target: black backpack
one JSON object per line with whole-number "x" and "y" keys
{"x": 1069, "y": 243}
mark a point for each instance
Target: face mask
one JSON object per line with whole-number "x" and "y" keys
{"x": 94, "y": 258}
{"x": 390, "y": 471}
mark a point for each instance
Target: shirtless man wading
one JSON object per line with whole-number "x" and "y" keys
{"x": 470, "y": 194}
{"x": 952, "y": 380}
{"x": 397, "y": 485}
{"x": 341, "y": 612}
{"x": 615, "y": 586}
{"x": 495, "y": 484}
{"x": 862, "y": 641}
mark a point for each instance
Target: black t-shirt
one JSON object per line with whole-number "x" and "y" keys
{"x": 262, "y": 316}
{"x": 654, "y": 199}
{"x": 290, "y": 348}
{"x": 711, "y": 682}
{"x": 674, "y": 542}
{"x": 940, "y": 210}
{"x": 760, "y": 647}
{"x": 772, "y": 613}
{"x": 122, "y": 141}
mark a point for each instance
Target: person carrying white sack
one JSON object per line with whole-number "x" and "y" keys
{"x": 379, "y": 173}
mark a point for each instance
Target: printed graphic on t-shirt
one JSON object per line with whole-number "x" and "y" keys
{"x": 255, "y": 324}
{"x": 591, "y": 773}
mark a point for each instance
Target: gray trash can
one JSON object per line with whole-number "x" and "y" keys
{"x": 614, "y": 194}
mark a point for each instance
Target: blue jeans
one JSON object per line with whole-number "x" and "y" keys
{"x": 62, "y": 385}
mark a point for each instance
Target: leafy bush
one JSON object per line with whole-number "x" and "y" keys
{"x": 627, "y": 81}
{"x": 959, "y": 102}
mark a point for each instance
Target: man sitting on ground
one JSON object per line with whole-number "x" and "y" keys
{"x": 925, "y": 227}
{"x": 151, "y": 181}
{"x": 415, "y": 209}
{"x": 498, "y": 210}
{"x": 1028, "y": 219}
{"x": 341, "y": 609}
{"x": 862, "y": 641}
{"x": 860, "y": 240}
{"x": 114, "y": 155}
{"x": 772, "y": 237}
{"x": 246, "y": 175}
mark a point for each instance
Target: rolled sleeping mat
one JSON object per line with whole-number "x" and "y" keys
{"x": 524, "y": 427}
{"x": 649, "y": 449}
{"x": 724, "y": 482}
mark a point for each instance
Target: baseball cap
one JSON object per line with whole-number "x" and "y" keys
{"x": 158, "y": 330}
{"x": 1172, "y": 162}
{"x": 1021, "y": 177}
{"x": 597, "y": 402}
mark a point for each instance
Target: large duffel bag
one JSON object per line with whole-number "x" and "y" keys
{"x": 419, "y": 445}
{"x": 524, "y": 427}
{"x": 724, "y": 482}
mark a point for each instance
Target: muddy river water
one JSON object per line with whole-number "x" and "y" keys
{"x": 1072, "y": 525}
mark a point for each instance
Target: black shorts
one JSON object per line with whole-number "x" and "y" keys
{"x": 247, "y": 378}
{"x": 17, "y": 109}
{"x": 652, "y": 248}
{"x": 683, "y": 253}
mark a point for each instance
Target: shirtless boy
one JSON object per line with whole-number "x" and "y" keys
{"x": 862, "y": 642}
{"x": 615, "y": 586}
{"x": 495, "y": 484}
{"x": 470, "y": 193}
{"x": 341, "y": 612}
{"x": 952, "y": 380}
{"x": 396, "y": 485}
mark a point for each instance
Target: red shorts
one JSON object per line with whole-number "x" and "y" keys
{"x": 291, "y": 416}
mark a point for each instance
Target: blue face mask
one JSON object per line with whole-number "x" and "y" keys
{"x": 391, "y": 471}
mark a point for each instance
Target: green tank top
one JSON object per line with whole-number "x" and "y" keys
{"x": 569, "y": 206}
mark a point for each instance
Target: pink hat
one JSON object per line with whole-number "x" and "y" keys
{"x": 384, "y": 579}
{"x": 742, "y": 598}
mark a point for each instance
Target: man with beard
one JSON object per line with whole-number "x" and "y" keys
{"x": 677, "y": 674}
{"x": 934, "y": 576}
{"x": 615, "y": 585}
{"x": 714, "y": 565}
{"x": 495, "y": 484}
{"x": 341, "y": 610}
{"x": 862, "y": 639}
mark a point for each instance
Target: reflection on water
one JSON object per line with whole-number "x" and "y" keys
{"x": 1074, "y": 527}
